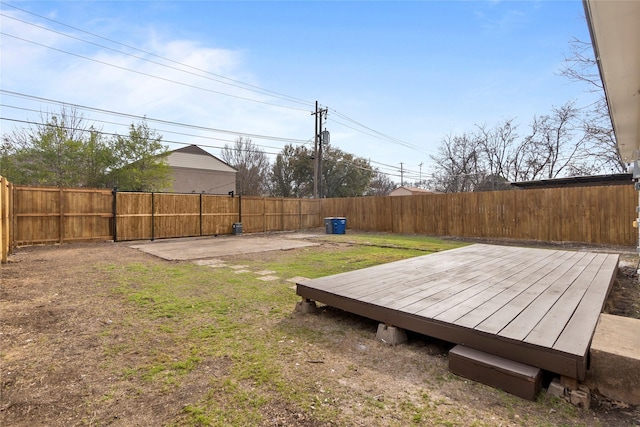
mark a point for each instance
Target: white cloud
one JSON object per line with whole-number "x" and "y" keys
{"x": 113, "y": 81}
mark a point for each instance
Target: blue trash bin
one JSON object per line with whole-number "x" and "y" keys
{"x": 339, "y": 225}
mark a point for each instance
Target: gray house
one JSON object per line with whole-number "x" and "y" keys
{"x": 193, "y": 170}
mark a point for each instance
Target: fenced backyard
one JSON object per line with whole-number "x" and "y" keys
{"x": 41, "y": 215}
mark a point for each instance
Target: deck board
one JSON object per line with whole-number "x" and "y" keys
{"x": 580, "y": 327}
{"x": 534, "y": 306}
{"x": 437, "y": 288}
{"x": 505, "y": 315}
{"x": 501, "y": 303}
{"x": 477, "y": 307}
{"x": 455, "y": 295}
{"x": 525, "y": 321}
{"x": 549, "y": 328}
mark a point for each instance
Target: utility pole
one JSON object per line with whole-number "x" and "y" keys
{"x": 315, "y": 155}
{"x": 420, "y": 174}
{"x": 324, "y": 142}
{"x": 317, "y": 152}
{"x": 401, "y": 175}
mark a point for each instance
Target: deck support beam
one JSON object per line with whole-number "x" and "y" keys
{"x": 573, "y": 392}
{"x": 306, "y": 306}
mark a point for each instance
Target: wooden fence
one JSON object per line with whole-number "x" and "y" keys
{"x": 6, "y": 214}
{"x": 58, "y": 215}
{"x": 601, "y": 215}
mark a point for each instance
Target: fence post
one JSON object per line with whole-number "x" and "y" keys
{"x": 61, "y": 217}
{"x": 201, "y": 214}
{"x": 153, "y": 219}
{"x": 115, "y": 213}
{"x": 11, "y": 227}
{"x": 12, "y": 217}
{"x": 5, "y": 243}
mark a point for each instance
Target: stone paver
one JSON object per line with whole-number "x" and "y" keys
{"x": 213, "y": 263}
{"x": 265, "y": 272}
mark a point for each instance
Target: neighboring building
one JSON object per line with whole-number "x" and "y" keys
{"x": 409, "y": 191}
{"x": 577, "y": 181}
{"x": 193, "y": 170}
{"x": 493, "y": 183}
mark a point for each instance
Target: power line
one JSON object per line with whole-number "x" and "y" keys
{"x": 99, "y": 132}
{"x": 163, "y": 131}
{"x": 150, "y": 119}
{"x": 375, "y": 133}
{"x": 148, "y": 74}
{"x": 393, "y": 168}
{"x": 372, "y": 132}
{"x": 217, "y": 147}
{"x": 360, "y": 127}
{"x": 236, "y": 83}
{"x": 367, "y": 130}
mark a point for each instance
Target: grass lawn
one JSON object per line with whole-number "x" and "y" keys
{"x": 204, "y": 313}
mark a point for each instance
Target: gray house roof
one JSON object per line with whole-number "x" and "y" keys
{"x": 194, "y": 157}
{"x": 409, "y": 191}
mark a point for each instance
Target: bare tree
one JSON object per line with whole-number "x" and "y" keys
{"x": 381, "y": 184}
{"x": 601, "y": 145}
{"x": 526, "y": 162}
{"x": 458, "y": 163}
{"x": 600, "y": 141}
{"x": 581, "y": 66}
{"x": 499, "y": 148}
{"x": 559, "y": 151}
{"x": 252, "y": 165}
{"x": 492, "y": 156}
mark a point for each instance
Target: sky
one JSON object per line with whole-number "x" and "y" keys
{"x": 395, "y": 77}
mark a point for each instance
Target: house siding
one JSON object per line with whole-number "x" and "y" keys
{"x": 189, "y": 180}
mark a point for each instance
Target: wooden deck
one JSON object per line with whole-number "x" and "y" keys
{"x": 534, "y": 306}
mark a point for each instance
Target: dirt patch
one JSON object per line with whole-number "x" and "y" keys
{"x": 65, "y": 336}
{"x": 55, "y": 310}
{"x": 624, "y": 296}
